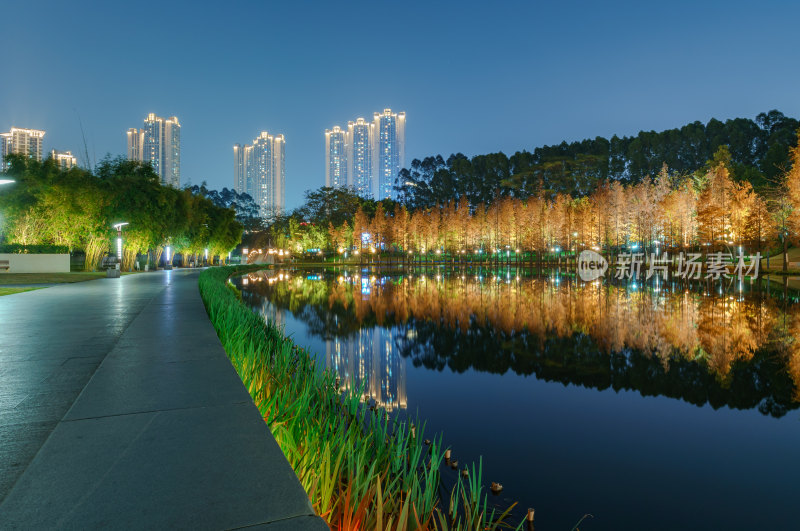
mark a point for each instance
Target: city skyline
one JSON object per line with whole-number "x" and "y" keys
{"x": 482, "y": 83}
{"x": 367, "y": 156}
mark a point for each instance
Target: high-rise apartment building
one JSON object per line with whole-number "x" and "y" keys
{"x": 158, "y": 142}
{"x": 20, "y": 141}
{"x": 389, "y": 151}
{"x": 359, "y": 156}
{"x": 336, "y": 158}
{"x": 374, "y": 154}
{"x": 135, "y": 141}
{"x": 239, "y": 180}
{"x": 64, "y": 159}
{"x": 259, "y": 169}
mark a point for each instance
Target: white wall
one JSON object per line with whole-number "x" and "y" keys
{"x": 34, "y": 263}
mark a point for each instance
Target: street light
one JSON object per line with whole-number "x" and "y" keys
{"x": 119, "y": 226}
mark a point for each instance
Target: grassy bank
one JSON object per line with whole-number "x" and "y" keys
{"x": 12, "y": 291}
{"x": 9, "y": 279}
{"x": 360, "y": 469}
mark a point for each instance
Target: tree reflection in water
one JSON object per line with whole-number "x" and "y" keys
{"x": 700, "y": 343}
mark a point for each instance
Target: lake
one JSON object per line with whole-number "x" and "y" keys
{"x": 658, "y": 406}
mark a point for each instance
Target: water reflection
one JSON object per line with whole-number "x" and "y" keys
{"x": 705, "y": 344}
{"x": 370, "y": 359}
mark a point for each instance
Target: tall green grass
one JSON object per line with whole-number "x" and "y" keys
{"x": 360, "y": 469}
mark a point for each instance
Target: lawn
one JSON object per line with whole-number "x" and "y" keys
{"x": 10, "y": 279}
{"x": 11, "y": 291}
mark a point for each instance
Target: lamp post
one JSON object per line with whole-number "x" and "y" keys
{"x": 119, "y": 226}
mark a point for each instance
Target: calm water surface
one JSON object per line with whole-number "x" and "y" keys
{"x": 662, "y": 406}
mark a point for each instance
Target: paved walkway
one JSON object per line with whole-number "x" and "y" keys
{"x": 120, "y": 409}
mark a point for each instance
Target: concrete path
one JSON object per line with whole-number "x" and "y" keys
{"x": 120, "y": 409}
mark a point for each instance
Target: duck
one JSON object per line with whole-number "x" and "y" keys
{"x": 496, "y": 487}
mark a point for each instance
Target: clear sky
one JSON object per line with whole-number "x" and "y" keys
{"x": 474, "y": 77}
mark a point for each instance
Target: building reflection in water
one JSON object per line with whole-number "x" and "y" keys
{"x": 370, "y": 359}
{"x": 704, "y": 343}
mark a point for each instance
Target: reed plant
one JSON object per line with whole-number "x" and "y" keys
{"x": 360, "y": 468}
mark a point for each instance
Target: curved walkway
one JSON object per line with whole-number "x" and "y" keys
{"x": 120, "y": 409}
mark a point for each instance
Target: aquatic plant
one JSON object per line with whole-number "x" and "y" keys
{"x": 360, "y": 468}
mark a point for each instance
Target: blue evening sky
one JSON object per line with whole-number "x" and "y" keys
{"x": 474, "y": 77}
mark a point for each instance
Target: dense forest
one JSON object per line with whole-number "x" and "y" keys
{"x": 759, "y": 153}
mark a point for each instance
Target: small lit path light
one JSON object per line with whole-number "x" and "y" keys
{"x": 7, "y": 181}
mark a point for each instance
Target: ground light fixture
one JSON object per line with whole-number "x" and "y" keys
{"x": 7, "y": 181}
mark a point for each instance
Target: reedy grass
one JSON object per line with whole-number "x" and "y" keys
{"x": 360, "y": 469}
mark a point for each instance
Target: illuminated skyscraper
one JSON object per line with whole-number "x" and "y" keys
{"x": 336, "y": 157}
{"x": 388, "y": 151}
{"x": 374, "y": 154}
{"x": 64, "y": 159}
{"x": 159, "y": 143}
{"x": 239, "y": 181}
{"x": 359, "y": 157}
{"x": 135, "y": 142}
{"x": 21, "y": 142}
{"x": 259, "y": 169}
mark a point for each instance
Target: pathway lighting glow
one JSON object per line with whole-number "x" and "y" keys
{"x": 7, "y": 181}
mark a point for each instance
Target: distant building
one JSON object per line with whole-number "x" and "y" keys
{"x": 389, "y": 149}
{"x": 374, "y": 154}
{"x": 135, "y": 141}
{"x": 259, "y": 169}
{"x": 359, "y": 156}
{"x": 21, "y": 142}
{"x": 158, "y": 142}
{"x": 239, "y": 180}
{"x": 336, "y": 157}
{"x": 64, "y": 159}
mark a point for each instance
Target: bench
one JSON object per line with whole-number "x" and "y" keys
{"x": 4, "y": 265}
{"x": 109, "y": 262}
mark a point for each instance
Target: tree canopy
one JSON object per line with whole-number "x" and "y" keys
{"x": 76, "y": 208}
